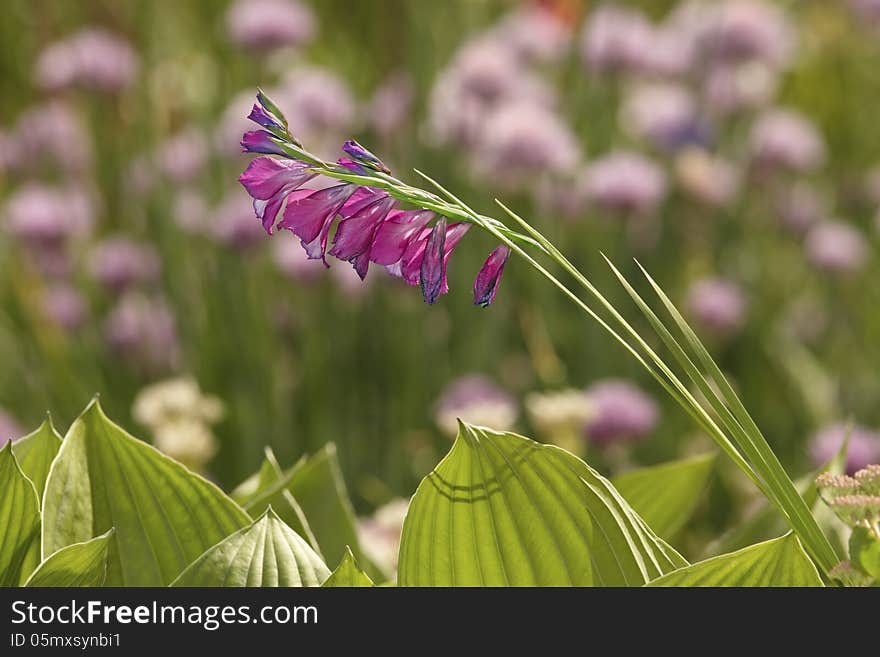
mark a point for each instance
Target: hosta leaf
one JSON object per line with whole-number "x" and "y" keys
{"x": 666, "y": 495}
{"x": 501, "y": 509}
{"x": 165, "y": 516}
{"x": 80, "y": 564}
{"x": 35, "y": 453}
{"x": 777, "y": 562}
{"x": 315, "y": 486}
{"x": 269, "y": 473}
{"x": 348, "y": 574}
{"x": 19, "y": 522}
{"x": 267, "y": 553}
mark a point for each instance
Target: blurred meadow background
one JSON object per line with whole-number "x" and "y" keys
{"x": 732, "y": 147}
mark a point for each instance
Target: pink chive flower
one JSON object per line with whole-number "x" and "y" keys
{"x": 390, "y": 105}
{"x": 623, "y": 413}
{"x": 141, "y": 330}
{"x": 862, "y": 450}
{"x": 118, "y": 263}
{"x": 232, "y": 224}
{"x": 627, "y": 182}
{"x": 182, "y": 157}
{"x": 92, "y": 59}
{"x": 65, "y": 306}
{"x": 270, "y": 24}
{"x": 785, "y": 139}
{"x": 371, "y": 229}
{"x": 836, "y": 247}
{"x": 718, "y": 305}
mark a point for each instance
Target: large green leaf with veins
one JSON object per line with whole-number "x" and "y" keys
{"x": 35, "y": 453}
{"x": 666, "y": 495}
{"x": 80, "y": 564}
{"x": 501, "y": 509}
{"x": 165, "y": 516}
{"x": 267, "y": 553}
{"x": 19, "y": 521}
{"x": 777, "y": 562}
{"x": 348, "y": 574}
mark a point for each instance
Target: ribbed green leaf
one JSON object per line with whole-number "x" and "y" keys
{"x": 501, "y": 509}
{"x": 315, "y": 486}
{"x": 80, "y": 564}
{"x": 269, "y": 473}
{"x": 267, "y": 553}
{"x": 666, "y": 495}
{"x": 348, "y": 574}
{"x": 777, "y": 562}
{"x": 19, "y": 522}
{"x": 165, "y": 516}
{"x": 35, "y": 453}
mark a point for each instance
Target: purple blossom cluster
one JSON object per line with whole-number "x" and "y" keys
{"x": 414, "y": 245}
{"x": 92, "y": 58}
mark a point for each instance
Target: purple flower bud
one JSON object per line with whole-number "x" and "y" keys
{"x": 260, "y": 141}
{"x": 362, "y": 155}
{"x": 433, "y": 267}
{"x": 118, "y": 263}
{"x": 489, "y": 276}
{"x": 836, "y": 247}
{"x": 863, "y": 449}
{"x": 262, "y": 118}
{"x": 622, "y": 412}
{"x": 718, "y": 305}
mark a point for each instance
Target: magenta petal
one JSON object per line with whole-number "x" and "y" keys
{"x": 453, "y": 236}
{"x": 396, "y": 232}
{"x": 310, "y": 216}
{"x": 433, "y": 267}
{"x": 266, "y": 176}
{"x": 486, "y": 283}
{"x": 362, "y": 197}
{"x": 355, "y": 235}
{"x": 411, "y": 262}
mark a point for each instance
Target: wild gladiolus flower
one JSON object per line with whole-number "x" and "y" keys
{"x": 371, "y": 228}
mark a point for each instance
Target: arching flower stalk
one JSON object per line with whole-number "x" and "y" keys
{"x": 416, "y": 244}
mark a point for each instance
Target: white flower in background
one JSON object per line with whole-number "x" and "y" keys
{"x": 475, "y": 399}
{"x": 180, "y": 417}
{"x": 561, "y": 416}
{"x": 379, "y": 535}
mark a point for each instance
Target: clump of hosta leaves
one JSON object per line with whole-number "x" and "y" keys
{"x": 856, "y": 501}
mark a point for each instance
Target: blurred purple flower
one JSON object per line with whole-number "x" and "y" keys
{"x": 489, "y": 276}
{"x": 52, "y": 131}
{"x": 836, "y": 247}
{"x": 141, "y": 330}
{"x": 622, "y": 412}
{"x": 92, "y": 58}
{"x": 270, "y": 24}
{"x": 615, "y": 39}
{"x": 318, "y": 104}
{"x": 9, "y": 429}
{"x": 190, "y": 211}
{"x": 740, "y": 30}
{"x": 718, "y": 305}
{"x": 730, "y": 88}
{"x": 293, "y": 262}
{"x": 182, "y": 157}
{"x": 65, "y": 306}
{"x": 784, "y": 138}
{"x": 233, "y": 225}
{"x": 800, "y": 207}
{"x": 665, "y": 114}
{"x": 391, "y": 104}
{"x": 863, "y": 448}
{"x": 47, "y": 217}
{"x": 475, "y": 399}
{"x": 118, "y": 263}
{"x": 866, "y": 10}
{"x": 521, "y": 140}
{"x": 534, "y": 33}
{"x": 627, "y": 182}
